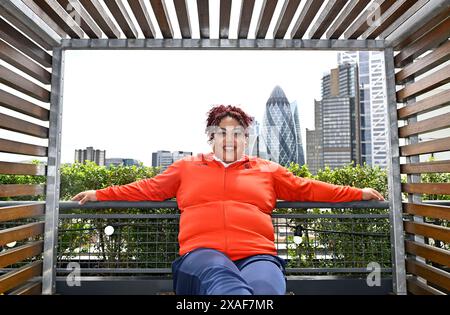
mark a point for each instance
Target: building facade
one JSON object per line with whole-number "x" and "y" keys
{"x": 163, "y": 158}
{"x": 89, "y": 154}
{"x": 280, "y": 134}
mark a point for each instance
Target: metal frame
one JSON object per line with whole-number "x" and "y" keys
{"x": 53, "y": 174}
{"x": 52, "y": 205}
{"x": 394, "y": 180}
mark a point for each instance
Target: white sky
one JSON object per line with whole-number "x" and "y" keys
{"x": 132, "y": 103}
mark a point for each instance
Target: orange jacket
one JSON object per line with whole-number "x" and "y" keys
{"x": 228, "y": 208}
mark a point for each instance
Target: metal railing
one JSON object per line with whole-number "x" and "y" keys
{"x": 315, "y": 238}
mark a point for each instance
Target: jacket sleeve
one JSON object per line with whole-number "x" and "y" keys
{"x": 161, "y": 187}
{"x": 293, "y": 188}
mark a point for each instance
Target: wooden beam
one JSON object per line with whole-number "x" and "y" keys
{"x": 79, "y": 12}
{"x": 15, "y": 147}
{"x": 19, "y": 105}
{"x": 143, "y": 18}
{"x": 17, "y": 277}
{"x": 426, "y": 167}
{"x": 426, "y": 125}
{"x": 60, "y": 17}
{"x": 45, "y": 17}
{"x": 284, "y": 20}
{"x": 427, "y": 210}
{"x": 431, "y": 274}
{"x": 224, "y": 18}
{"x": 425, "y": 105}
{"x": 203, "y": 17}
{"x": 347, "y": 16}
{"x": 265, "y": 17}
{"x": 434, "y": 254}
{"x": 14, "y": 190}
{"x": 326, "y": 17}
{"x": 427, "y": 188}
{"x": 428, "y": 83}
{"x": 245, "y": 17}
{"x": 23, "y": 63}
{"x": 162, "y": 16}
{"x": 21, "y": 232}
{"x": 432, "y": 146}
{"x": 100, "y": 16}
{"x": 21, "y": 253}
{"x": 305, "y": 18}
{"x": 16, "y": 81}
{"x": 183, "y": 18}
{"x": 25, "y": 45}
{"x": 123, "y": 19}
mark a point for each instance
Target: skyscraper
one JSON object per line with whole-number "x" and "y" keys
{"x": 163, "y": 158}
{"x": 89, "y": 154}
{"x": 336, "y": 138}
{"x": 372, "y": 104}
{"x": 281, "y": 130}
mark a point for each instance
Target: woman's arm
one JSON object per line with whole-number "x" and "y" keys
{"x": 293, "y": 188}
{"x": 161, "y": 187}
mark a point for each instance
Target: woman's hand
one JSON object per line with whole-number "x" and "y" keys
{"x": 371, "y": 194}
{"x": 82, "y": 197}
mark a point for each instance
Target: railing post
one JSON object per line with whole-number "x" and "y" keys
{"x": 394, "y": 179}
{"x": 53, "y": 174}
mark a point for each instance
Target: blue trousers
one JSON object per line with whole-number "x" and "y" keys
{"x": 206, "y": 271}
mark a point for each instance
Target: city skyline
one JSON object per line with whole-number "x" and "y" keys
{"x": 181, "y": 99}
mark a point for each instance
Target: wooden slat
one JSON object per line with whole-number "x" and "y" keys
{"x": 86, "y": 22}
{"x": 123, "y": 19}
{"x": 9, "y": 146}
{"x": 428, "y": 83}
{"x": 101, "y": 17}
{"x": 389, "y": 17}
{"x": 435, "y": 232}
{"x": 432, "y": 39}
{"x": 183, "y": 18}
{"x": 360, "y": 25}
{"x": 12, "y": 168}
{"x": 431, "y": 274}
{"x": 265, "y": 17}
{"x": 434, "y": 254}
{"x": 224, "y": 18}
{"x": 286, "y": 15}
{"x": 23, "y": 63}
{"x": 162, "y": 17}
{"x": 14, "y": 190}
{"x": 21, "y": 211}
{"x": 419, "y": 33}
{"x": 60, "y": 17}
{"x": 20, "y": 233}
{"x": 22, "y": 43}
{"x": 16, "y": 81}
{"x": 17, "y": 104}
{"x": 245, "y": 17}
{"x": 46, "y": 43}
{"x": 430, "y": 61}
{"x": 203, "y": 17}
{"x": 30, "y": 288}
{"x": 21, "y": 253}
{"x": 432, "y": 146}
{"x": 425, "y": 105}
{"x": 426, "y": 167}
{"x": 427, "y": 188}
{"x": 305, "y": 18}
{"x": 347, "y": 16}
{"x": 418, "y": 4}
{"x": 327, "y": 16}
{"x": 17, "y": 277}
{"x": 18, "y": 125}
{"x": 143, "y": 18}
{"x": 416, "y": 287}
{"x": 426, "y": 125}
{"x": 45, "y": 17}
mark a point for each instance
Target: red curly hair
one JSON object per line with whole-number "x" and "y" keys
{"x": 217, "y": 113}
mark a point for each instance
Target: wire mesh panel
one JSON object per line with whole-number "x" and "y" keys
{"x": 119, "y": 244}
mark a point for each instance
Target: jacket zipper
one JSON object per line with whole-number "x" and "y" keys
{"x": 223, "y": 208}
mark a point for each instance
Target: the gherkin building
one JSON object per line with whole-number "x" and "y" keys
{"x": 281, "y": 130}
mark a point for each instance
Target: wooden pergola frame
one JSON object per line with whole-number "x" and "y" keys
{"x": 404, "y": 31}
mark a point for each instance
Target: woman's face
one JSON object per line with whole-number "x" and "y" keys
{"x": 229, "y": 140}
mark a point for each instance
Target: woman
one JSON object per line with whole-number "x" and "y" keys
{"x": 226, "y": 199}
